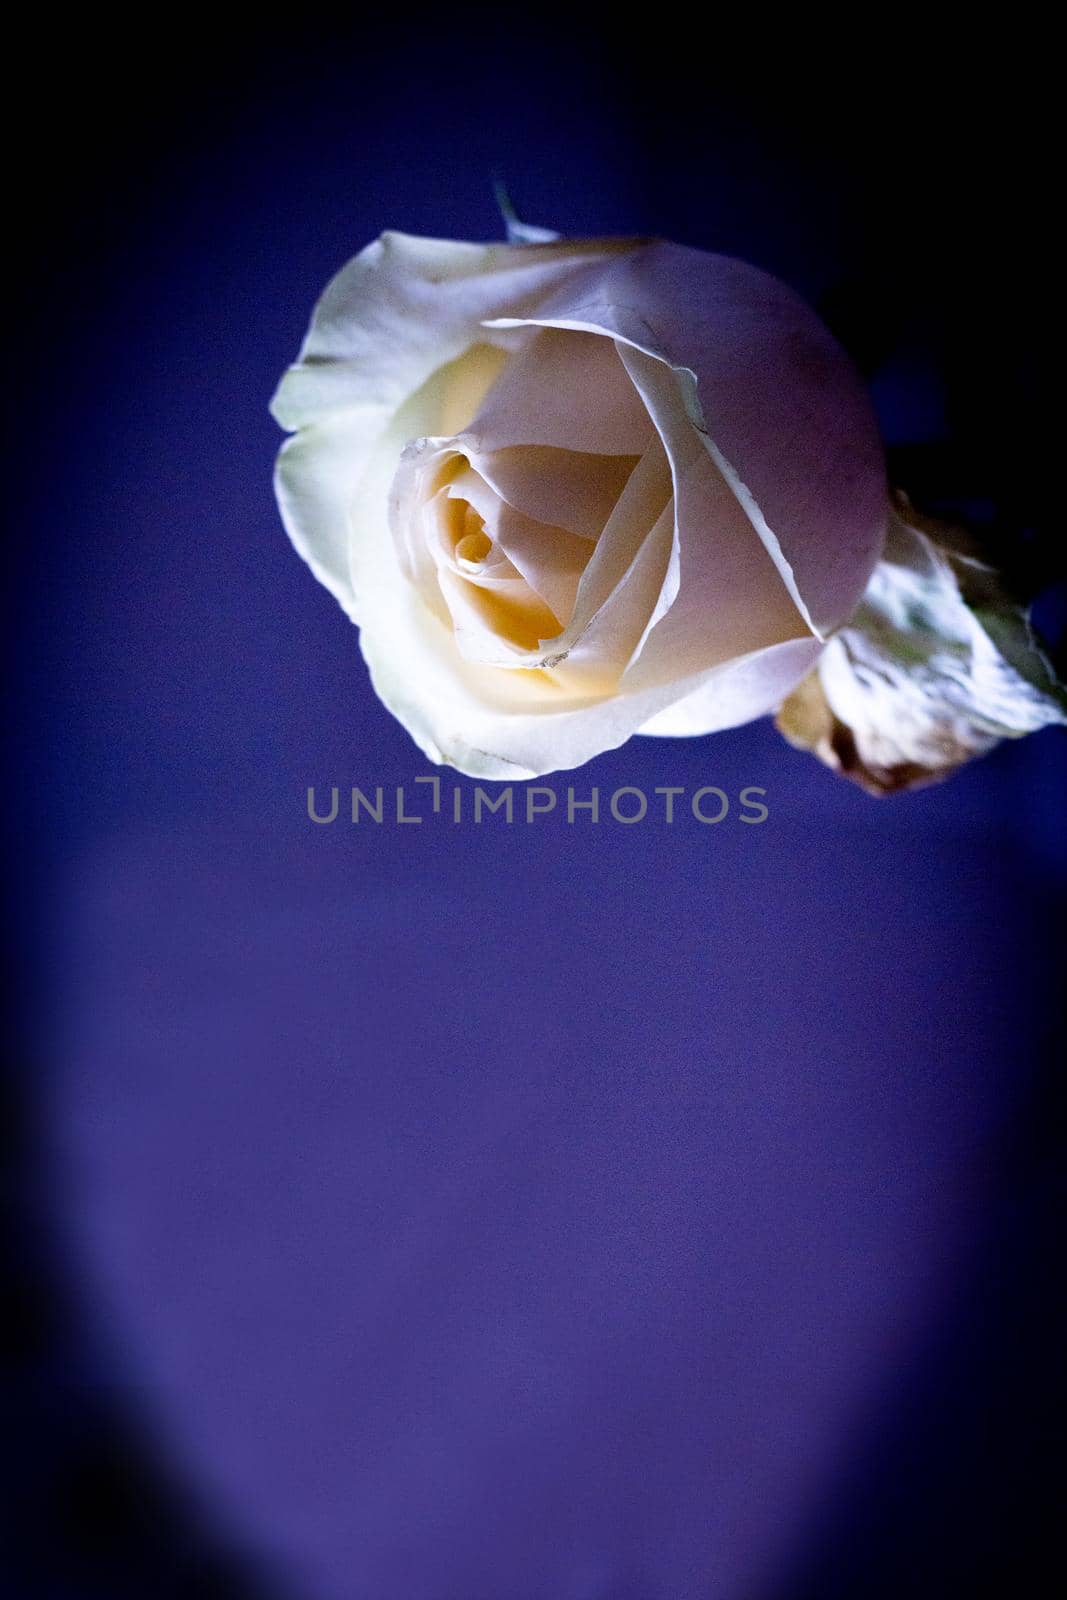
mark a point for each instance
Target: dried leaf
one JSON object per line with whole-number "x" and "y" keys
{"x": 937, "y": 665}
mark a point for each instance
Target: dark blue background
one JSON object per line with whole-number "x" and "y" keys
{"x": 616, "y": 1213}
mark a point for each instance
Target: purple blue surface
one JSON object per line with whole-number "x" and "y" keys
{"x": 544, "y": 1213}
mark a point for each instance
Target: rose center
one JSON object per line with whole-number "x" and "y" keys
{"x": 474, "y": 544}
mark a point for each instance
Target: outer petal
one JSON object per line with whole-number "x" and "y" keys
{"x": 783, "y": 413}
{"x": 740, "y": 691}
{"x": 723, "y": 596}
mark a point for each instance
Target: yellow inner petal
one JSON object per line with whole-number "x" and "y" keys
{"x": 466, "y": 384}
{"x": 474, "y": 547}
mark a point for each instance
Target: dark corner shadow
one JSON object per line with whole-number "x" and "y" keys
{"x": 94, "y": 1512}
{"x": 956, "y": 1489}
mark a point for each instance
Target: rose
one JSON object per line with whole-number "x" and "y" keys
{"x": 572, "y": 491}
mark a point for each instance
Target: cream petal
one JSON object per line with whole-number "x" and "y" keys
{"x": 498, "y": 623}
{"x": 313, "y": 484}
{"x": 469, "y": 485}
{"x": 449, "y": 538}
{"x": 415, "y": 509}
{"x": 550, "y": 559}
{"x": 613, "y": 634}
{"x": 543, "y": 394}
{"x": 620, "y": 586}
{"x": 672, "y": 596}
{"x": 404, "y": 307}
{"x": 463, "y": 574}
{"x": 724, "y": 595}
{"x": 564, "y": 488}
{"x": 470, "y": 380}
{"x": 738, "y": 691}
{"x": 784, "y": 414}
{"x": 645, "y": 496}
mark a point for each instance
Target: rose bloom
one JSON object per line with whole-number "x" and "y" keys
{"x": 574, "y": 491}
